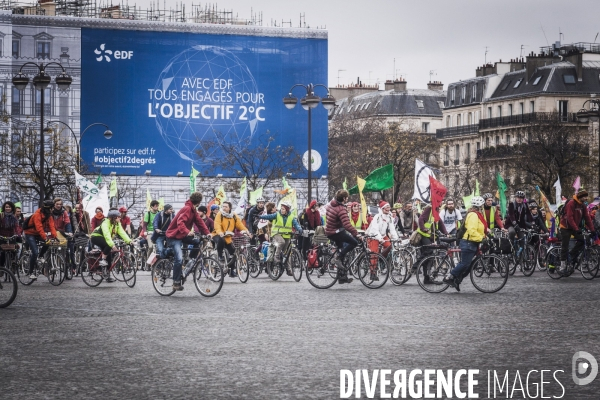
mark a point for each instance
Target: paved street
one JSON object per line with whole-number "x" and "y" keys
{"x": 276, "y": 340}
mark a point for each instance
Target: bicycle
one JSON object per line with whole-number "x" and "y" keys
{"x": 588, "y": 261}
{"x": 8, "y": 287}
{"x": 401, "y": 259}
{"x": 92, "y": 273}
{"x": 206, "y": 271}
{"x": 488, "y": 271}
{"x": 9, "y": 246}
{"x": 52, "y": 264}
{"x": 289, "y": 260}
{"x": 324, "y": 274}
{"x": 522, "y": 254}
{"x": 239, "y": 258}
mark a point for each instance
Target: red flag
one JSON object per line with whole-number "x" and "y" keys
{"x": 438, "y": 192}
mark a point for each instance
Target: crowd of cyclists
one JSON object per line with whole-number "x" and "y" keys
{"x": 332, "y": 243}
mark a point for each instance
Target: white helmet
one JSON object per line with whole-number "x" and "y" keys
{"x": 260, "y": 200}
{"x": 477, "y": 201}
{"x": 287, "y": 204}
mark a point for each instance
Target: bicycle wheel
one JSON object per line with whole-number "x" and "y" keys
{"x": 91, "y": 273}
{"x": 431, "y": 272}
{"x": 323, "y": 275}
{"x": 68, "y": 267}
{"x": 209, "y": 277}
{"x": 56, "y": 266}
{"x": 242, "y": 267}
{"x": 128, "y": 271}
{"x": 274, "y": 270}
{"x": 162, "y": 277}
{"x": 253, "y": 262}
{"x": 23, "y": 268}
{"x": 352, "y": 255}
{"x": 511, "y": 261}
{"x": 295, "y": 264}
{"x": 489, "y": 273}
{"x": 8, "y": 287}
{"x": 399, "y": 263}
{"x": 529, "y": 260}
{"x": 373, "y": 270}
{"x": 589, "y": 263}
{"x": 552, "y": 263}
{"x": 541, "y": 255}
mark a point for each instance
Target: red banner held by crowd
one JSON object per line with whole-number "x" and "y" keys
{"x": 438, "y": 192}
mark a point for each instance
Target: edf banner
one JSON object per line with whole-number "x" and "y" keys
{"x": 164, "y": 93}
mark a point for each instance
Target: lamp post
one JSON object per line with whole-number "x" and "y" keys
{"x": 41, "y": 82}
{"x": 308, "y": 102}
{"x": 592, "y": 115}
{"x": 107, "y": 134}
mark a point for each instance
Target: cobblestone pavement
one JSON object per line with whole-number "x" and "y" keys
{"x": 279, "y": 340}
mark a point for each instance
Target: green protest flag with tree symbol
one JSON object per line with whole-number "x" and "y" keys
{"x": 193, "y": 175}
{"x": 501, "y": 191}
{"x": 113, "y": 188}
{"x": 380, "y": 179}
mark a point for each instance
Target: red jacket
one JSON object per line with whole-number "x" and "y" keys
{"x": 39, "y": 228}
{"x": 497, "y": 219}
{"x": 337, "y": 218}
{"x": 575, "y": 211}
{"x": 182, "y": 224}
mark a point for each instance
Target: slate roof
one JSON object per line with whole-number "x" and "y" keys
{"x": 393, "y": 103}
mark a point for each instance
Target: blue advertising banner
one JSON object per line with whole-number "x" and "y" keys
{"x": 163, "y": 93}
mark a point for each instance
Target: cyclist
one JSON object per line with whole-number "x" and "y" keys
{"x": 340, "y": 231}
{"x": 210, "y": 224}
{"x": 103, "y": 238}
{"x": 476, "y": 231}
{"x": 161, "y": 223}
{"x": 62, "y": 224}
{"x": 491, "y": 213}
{"x": 83, "y": 219}
{"x": 255, "y": 211}
{"x": 281, "y": 230}
{"x": 98, "y": 218}
{"x": 575, "y": 215}
{"x": 381, "y": 230}
{"x": 450, "y": 217}
{"x": 148, "y": 223}
{"x": 214, "y": 210}
{"x": 39, "y": 223}
{"x": 518, "y": 217}
{"x": 407, "y": 219}
{"x": 539, "y": 223}
{"x": 180, "y": 232}
{"x": 309, "y": 220}
{"x": 356, "y": 217}
{"x": 9, "y": 224}
{"x": 227, "y": 221}
{"x": 125, "y": 220}
{"x": 427, "y": 228}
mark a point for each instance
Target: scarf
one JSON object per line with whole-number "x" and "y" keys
{"x": 226, "y": 215}
{"x": 9, "y": 220}
{"x": 355, "y": 216}
{"x": 313, "y": 218}
{"x": 482, "y": 219}
{"x": 56, "y": 212}
{"x": 99, "y": 216}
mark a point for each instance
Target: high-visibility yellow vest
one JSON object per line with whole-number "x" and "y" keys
{"x": 428, "y": 225}
{"x": 285, "y": 230}
{"x": 492, "y": 220}
{"x": 358, "y": 224}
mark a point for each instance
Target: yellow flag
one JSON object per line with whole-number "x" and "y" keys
{"x": 221, "y": 196}
{"x": 293, "y": 200}
{"x": 148, "y": 199}
{"x": 361, "y": 185}
{"x": 161, "y": 204}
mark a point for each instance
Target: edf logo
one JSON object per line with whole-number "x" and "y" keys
{"x": 105, "y": 54}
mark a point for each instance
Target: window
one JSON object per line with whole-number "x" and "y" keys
{"x": 519, "y": 139}
{"x": 16, "y": 101}
{"x": 47, "y": 102}
{"x": 447, "y": 155}
{"x": 531, "y": 106}
{"x": 487, "y": 142}
{"x": 16, "y": 45}
{"x": 510, "y": 110}
{"x": 458, "y": 120}
{"x": 489, "y": 112}
{"x": 505, "y": 85}
{"x": 478, "y": 146}
{"x": 517, "y": 83}
{"x": 43, "y": 50}
{"x": 425, "y": 127}
{"x": 508, "y": 140}
{"x": 521, "y": 108}
{"x": 468, "y": 151}
{"x": 569, "y": 79}
{"x": 441, "y": 104}
{"x": 463, "y": 94}
{"x": 497, "y": 140}
{"x": 448, "y": 122}
{"x": 469, "y": 118}
{"x": 499, "y": 111}
{"x": 537, "y": 80}
{"x": 563, "y": 106}
{"x": 474, "y": 93}
{"x": 452, "y": 96}
{"x": 457, "y": 152}
{"x": 420, "y": 104}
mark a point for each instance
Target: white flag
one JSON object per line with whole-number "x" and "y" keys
{"x": 242, "y": 204}
{"x": 558, "y": 191}
{"x": 86, "y": 186}
{"x": 422, "y": 173}
{"x": 91, "y": 203}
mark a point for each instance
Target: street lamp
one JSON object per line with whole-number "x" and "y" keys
{"x": 308, "y": 102}
{"x": 107, "y": 134}
{"x": 41, "y": 82}
{"x": 591, "y": 115}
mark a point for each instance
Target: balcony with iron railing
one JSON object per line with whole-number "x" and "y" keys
{"x": 464, "y": 130}
{"x": 522, "y": 119}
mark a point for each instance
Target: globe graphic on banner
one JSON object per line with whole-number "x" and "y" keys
{"x": 203, "y": 90}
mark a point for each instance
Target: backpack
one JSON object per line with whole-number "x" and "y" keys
{"x": 462, "y": 229}
{"x": 28, "y": 221}
{"x": 563, "y": 211}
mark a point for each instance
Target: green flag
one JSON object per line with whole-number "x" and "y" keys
{"x": 501, "y": 191}
{"x": 243, "y": 189}
{"x": 345, "y": 184}
{"x": 285, "y": 184}
{"x": 255, "y": 195}
{"x": 477, "y": 188}
{"x": 113, "y": 188}
{"x": 18, "y": 205}
{"x": 467, "y": 200}
{"x": 99, "y": 179}
{"x": 193, "y": 175}
{"x": 380, "y": 179}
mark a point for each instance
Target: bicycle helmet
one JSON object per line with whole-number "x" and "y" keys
{"x": 260, "y": 200}
{"x": 487, "y": 196}
{"x": 113, "y": 213}
{"x": 286, "y": 204}
{"x": 48, "y": 204}
{"x": 520, "y": 194}
{"x": 477, "y": 201}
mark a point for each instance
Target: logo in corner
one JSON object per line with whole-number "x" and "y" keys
{"x": 584, "y": 364}
{"x": 102, "y": 53}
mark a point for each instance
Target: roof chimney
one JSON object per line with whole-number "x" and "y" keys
{"x": 400, "y": 85}
{"x": 435, "y": 85}
{"x": 389, "y": 85}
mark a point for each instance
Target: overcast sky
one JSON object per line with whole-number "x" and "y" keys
{"x": 449, "y": 37}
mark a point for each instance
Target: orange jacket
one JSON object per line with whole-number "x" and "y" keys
{"x": 37, "y": 228}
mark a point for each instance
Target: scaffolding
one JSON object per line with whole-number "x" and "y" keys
{"x": 208, "y": 13}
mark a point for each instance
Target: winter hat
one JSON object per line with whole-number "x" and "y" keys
{"x": 582, "y": 193}
{"x": 383, "y": 204}
{"x": 167, "y": 207}
{"x": 312, "y": 204}
{"x": 203, "y": 209}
